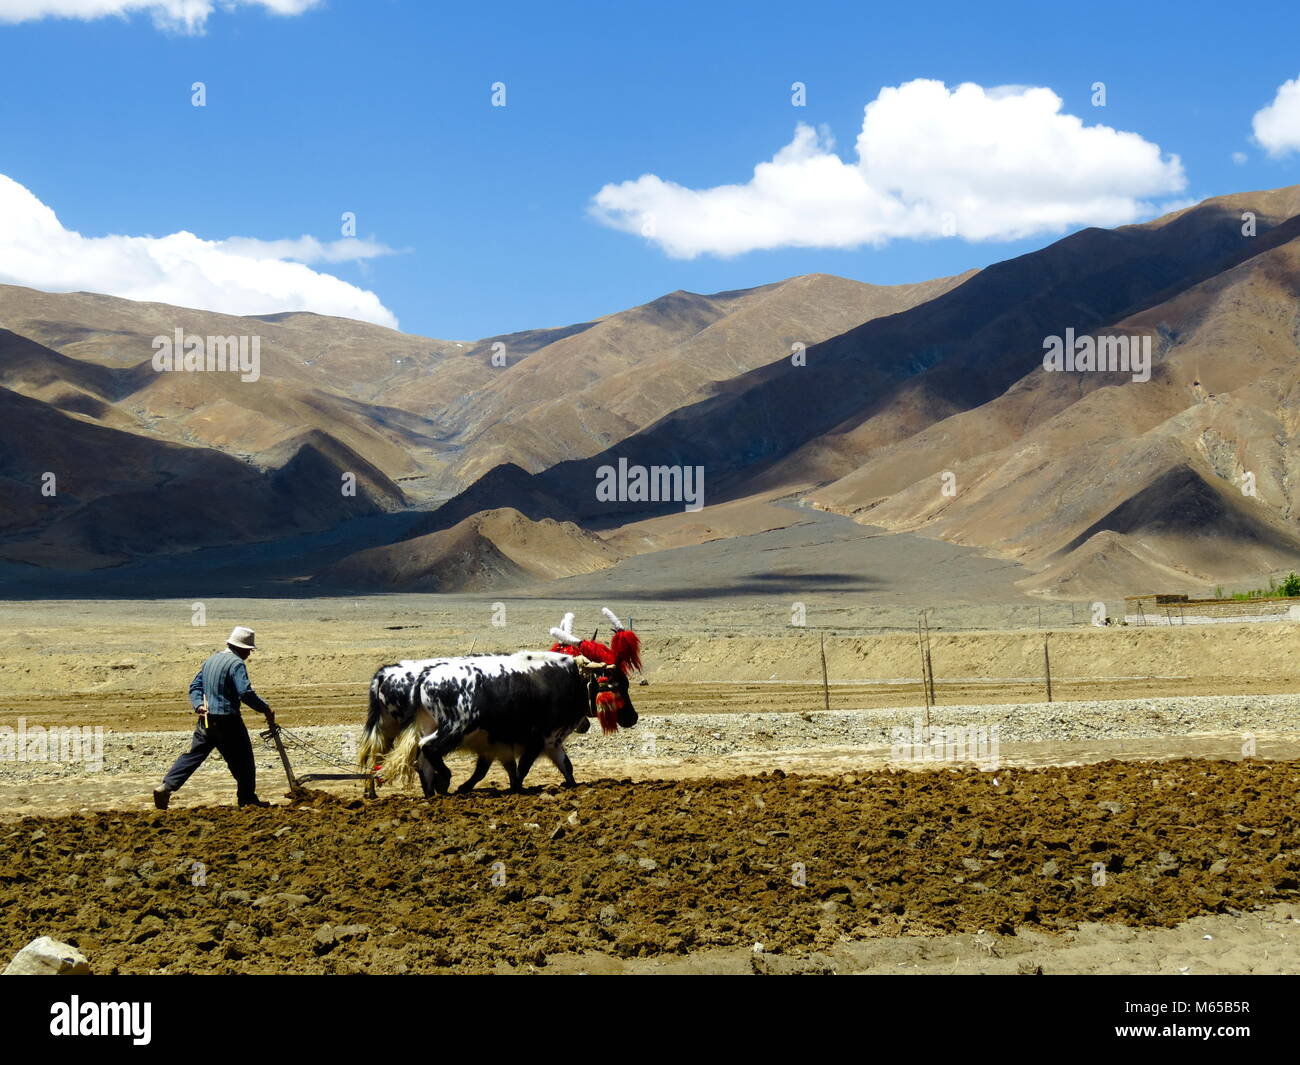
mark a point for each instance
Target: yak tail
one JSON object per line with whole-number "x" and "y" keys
{"x": 373, "y": 741}
{"x": 399, "y": 766}
{"x": 372, "y": 747}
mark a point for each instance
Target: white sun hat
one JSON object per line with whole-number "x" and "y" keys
{"x": 241, "y": 637}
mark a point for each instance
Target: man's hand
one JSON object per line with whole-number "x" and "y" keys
{"x": 270, "y": 715}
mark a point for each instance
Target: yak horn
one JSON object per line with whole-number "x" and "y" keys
{"x": 588, "y": 668}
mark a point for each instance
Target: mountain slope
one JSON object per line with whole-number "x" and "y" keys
{"x": 93, "y": 355}
{"x": 434, "y": 414}
{"x": 1041, "y": 468}
{"x": 956, "y": 385}
{"x": 918, "y": 409}
{"x": 892, "y": 377}
{"x": 593, "y": 385}
{"x": 494, "y": 549}
{"x": 76, "y": 494}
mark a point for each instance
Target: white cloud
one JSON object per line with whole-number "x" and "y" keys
{"x": 982, "y": 164}
{"x": 307, "y": 249}
{"x": 1277, "y": 126}
{"x": 1239, "y": 158}
{"x": 187, "y": 16}
{"x": 240, "y": 275}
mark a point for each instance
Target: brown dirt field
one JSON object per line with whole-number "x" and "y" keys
{"x": 654, "y": 870}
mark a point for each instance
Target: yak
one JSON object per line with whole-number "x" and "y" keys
{"x": 508, "y": 708}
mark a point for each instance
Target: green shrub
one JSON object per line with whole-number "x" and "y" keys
{"x": 1289, "y": 588}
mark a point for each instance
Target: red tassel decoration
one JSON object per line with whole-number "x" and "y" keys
{"x": 607, "y": 711}
{"x": 597, "y": 652}
{"x": 626, "y": 646}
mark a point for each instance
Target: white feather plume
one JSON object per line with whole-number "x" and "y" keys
{"x": 564, "y": 637}
{"x": 613, "y": 618}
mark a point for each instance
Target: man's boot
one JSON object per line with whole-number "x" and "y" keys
{"x": 161, "y": 797}
{"x": 254, "y": 801}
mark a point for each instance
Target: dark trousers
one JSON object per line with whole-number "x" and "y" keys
{"x": 227, "y": 734}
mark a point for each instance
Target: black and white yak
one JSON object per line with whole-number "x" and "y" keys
{"x": 507, "y": 708}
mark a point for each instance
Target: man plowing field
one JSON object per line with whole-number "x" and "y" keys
{"x": 507, "y": 708}
{"x": 216, "y": 692}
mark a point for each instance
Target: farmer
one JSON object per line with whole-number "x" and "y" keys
{"x": 218, "y": 688}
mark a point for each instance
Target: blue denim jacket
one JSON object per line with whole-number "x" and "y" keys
{"x": 223, "y": 679}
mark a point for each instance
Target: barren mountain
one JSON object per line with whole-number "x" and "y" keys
{"x": 432, "y": 414}
{"x": 572, "y": 395}
{"x": 1191, "y": 476}
{"x": 917, "y": 408}
{"x": 310, "y": 350}
{"x": 314, "y": 373}
{"x": 495, "y": 549}
{"x": 331, "y": 397}
{"x": 78, "y": 495}
{"x": 1044, "y": 462}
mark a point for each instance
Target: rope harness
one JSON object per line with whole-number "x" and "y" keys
{"x": 304, "y": 745}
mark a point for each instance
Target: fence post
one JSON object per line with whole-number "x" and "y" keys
{"x": 925, "y": 685}
{"x": 929, "y": 664}
{"x": 826, "y": 684}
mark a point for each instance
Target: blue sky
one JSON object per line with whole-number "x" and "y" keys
{"x": 384, "y": 109}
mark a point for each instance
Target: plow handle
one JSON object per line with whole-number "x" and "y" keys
{"x": 273, "y": 731}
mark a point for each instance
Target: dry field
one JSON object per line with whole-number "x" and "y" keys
{"x": 740, "y": 828}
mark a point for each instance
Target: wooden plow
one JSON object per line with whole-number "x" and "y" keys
{"x": 275, "y": 734}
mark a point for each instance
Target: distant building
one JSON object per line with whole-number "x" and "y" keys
{"x": 1157, "y": 609}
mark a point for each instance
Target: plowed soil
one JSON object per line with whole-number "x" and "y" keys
{"x": 657, "y": 869}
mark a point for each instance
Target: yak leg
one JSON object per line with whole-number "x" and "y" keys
{"x": 525, "y": 764}
{"x": 560, "y": 757}
{"x": 434, "y": 774}
{"x": 512, "y": 771}
{"x": 435, "y": 777}
{"x": 480, "y": 771}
